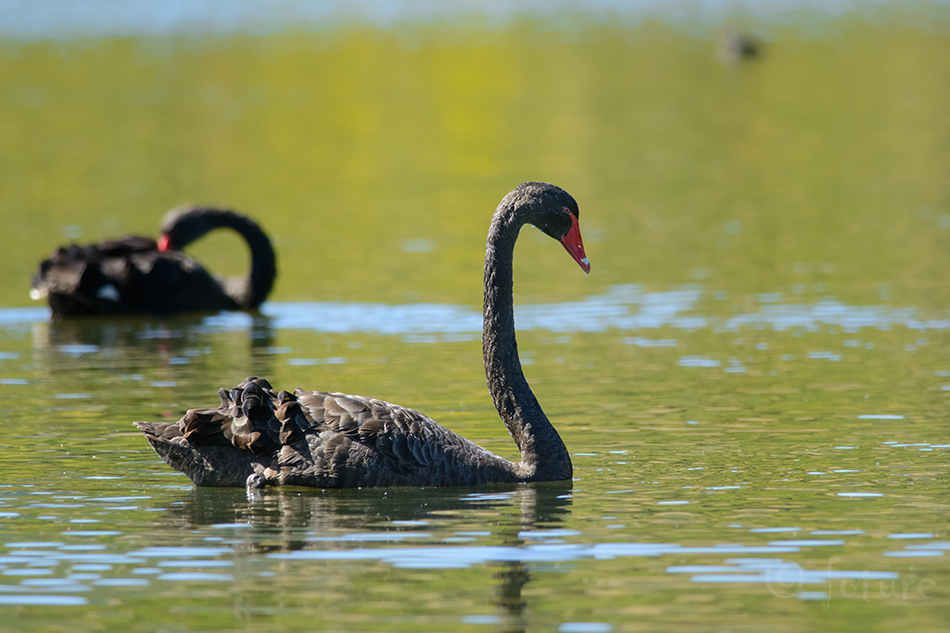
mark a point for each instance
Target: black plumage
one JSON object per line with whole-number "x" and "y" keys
{"x": 258, "y": 436}
{"x": 137, "y": 275}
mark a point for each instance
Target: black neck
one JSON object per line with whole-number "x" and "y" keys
{"x": 258, "y": 283}
{"x": 251, "y": 290}
{"x": 543, "y": 454}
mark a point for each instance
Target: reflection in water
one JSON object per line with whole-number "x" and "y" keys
{"x": 338, "y": 541}
{"x": 130, "y": 341}
{"x": 345, "y": 523}
{"x": 298, "y": 514}
{"x": 130, "y": 331}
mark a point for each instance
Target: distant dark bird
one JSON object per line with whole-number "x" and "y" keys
{"x": 137, "y": 275}
{"x": 259, "y": 437}
{"x": 736, "y": 46}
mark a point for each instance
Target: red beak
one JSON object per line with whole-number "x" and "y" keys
{"x": 164, "y": 243}
{"x": 575, "y": 245}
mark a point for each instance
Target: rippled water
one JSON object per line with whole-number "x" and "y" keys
{"x": 623, "y": 307}
{"x": 740, "y": 471}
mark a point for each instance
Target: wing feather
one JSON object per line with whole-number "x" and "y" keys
{"x": 253, "y": 417}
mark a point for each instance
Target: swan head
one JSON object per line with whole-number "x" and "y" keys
{"x": 555, "y": 212}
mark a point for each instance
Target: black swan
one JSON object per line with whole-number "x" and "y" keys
{"x": 137, "y": 275}
{"x": 258, "y": 437}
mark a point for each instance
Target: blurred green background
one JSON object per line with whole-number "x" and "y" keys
{"x": 375, "y": 154}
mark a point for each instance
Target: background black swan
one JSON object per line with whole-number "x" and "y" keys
{"x": 137, "y": 275}
{"x": 330, "y": 440}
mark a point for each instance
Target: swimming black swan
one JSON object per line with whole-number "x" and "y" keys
{"x": 136, "y": 275}
{"x": 330, "y": 440}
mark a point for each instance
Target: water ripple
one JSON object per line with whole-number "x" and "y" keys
{"x": 545, "y": 552}
{"x": 622, "y": 307}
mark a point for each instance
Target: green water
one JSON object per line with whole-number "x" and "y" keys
{"x": 753, "y": 381}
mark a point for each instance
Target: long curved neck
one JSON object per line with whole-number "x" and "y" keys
{"x": 543, "y": 455}
{"x": 251, "y": 290}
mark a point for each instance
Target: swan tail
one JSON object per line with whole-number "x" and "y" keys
{"x": 214, "y": 465}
